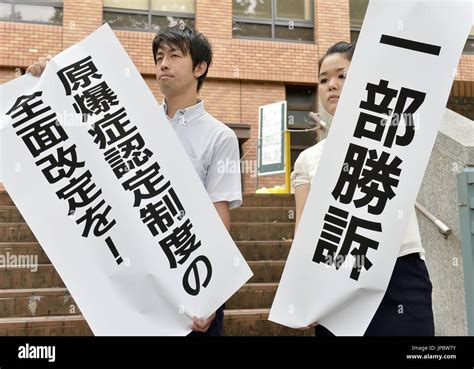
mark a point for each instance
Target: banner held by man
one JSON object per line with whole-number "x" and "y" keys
{"x": 117, "y": 205}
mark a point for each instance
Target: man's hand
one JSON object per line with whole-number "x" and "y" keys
{"x": 37, "y": 68}
{"x": 202, "y": 325}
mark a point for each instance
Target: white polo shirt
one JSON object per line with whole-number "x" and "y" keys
{"x": 304, "y": 170}
{"x": 214, "y": 150}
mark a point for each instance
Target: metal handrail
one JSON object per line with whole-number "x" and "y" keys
{"x": 443, "y": 228}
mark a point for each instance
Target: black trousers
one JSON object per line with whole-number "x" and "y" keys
{"x": 406, "y": 308}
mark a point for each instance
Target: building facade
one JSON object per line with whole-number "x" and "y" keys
{"x": 265, "y": 51}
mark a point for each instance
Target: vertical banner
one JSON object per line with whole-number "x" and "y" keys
{"x": 372, "y": 165}
{"x": 271, "y": 149}
{"x": 98, "y": 173}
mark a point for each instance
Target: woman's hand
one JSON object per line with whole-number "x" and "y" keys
{"x": 309, "y": 326}
{"x": 321, "y": 126}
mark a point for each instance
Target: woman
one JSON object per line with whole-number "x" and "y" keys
{"x": 406, "y": 308}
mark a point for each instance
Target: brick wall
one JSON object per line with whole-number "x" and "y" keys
{"x": 22, "y": 43}
{"x": 264, "y": 61}
{"x": 331, "y": 23}
{"x": 245, "y": 73}
{"x": 461, "y": 98}
{"x": 139, "y": 47}
{"x": 216, "y": 23}
{"x": 238, "y": 102}
{"x": 7, "y": 74}
{"x": 223, "y": 99}
{"x": 80, "y": 19}
{"x": 153, "y": 85}
{"x": 462, "y": 105}
{"x": 465, "y": 70}
{"x": 255, "y": 94}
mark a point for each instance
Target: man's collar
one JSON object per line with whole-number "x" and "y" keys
{"x": 186, "y": 115}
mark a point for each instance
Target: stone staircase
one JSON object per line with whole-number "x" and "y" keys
{"x": 263, "y": 229}
{"x": 35, "y": 301}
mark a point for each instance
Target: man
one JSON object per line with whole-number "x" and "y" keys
{"x": 182, "y": 57}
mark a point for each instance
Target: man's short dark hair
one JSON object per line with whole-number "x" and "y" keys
{"x": 187, "y": 40}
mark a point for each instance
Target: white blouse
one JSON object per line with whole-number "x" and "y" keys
{"x": 304, "y": 170}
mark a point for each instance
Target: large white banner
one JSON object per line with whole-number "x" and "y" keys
{"x": 96, "y": 170}
{"x": 372, "y": 165}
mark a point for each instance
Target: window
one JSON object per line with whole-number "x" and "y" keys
{"x": 273, "y": 19}
{"x": 469, "y": 47}
{"x": 32, "y": 11}
{"x": 148, "y": 15}
{"x": 357, "y": 13}
{"x": 300, "y": 102}
{"x": 357, "y": 9}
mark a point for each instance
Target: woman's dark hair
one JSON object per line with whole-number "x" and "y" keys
{"x": 187, "y": 40}
{"x": 340, "y": 47}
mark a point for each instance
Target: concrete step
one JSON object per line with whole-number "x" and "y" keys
{"x": 5, "y": 199}
{"x": 248, "y": 199}
{"x": 31, "y": 302}
{"x": 240, "y": 231}
{"x": 58, "y": 325}
{"x": 251, "y": 250}
{"x": 253, "y": 296}
{"x": 16, "y": 232}
{"x": 268, "y": 200}
{"x": 10, "y": 214}
{"x": 263, "y": 214}
{"x": 24, "y": 250}
{"x": 264, "y": 250}
{"x": 36, "y": 276}
{"x": 245, "y": 231}
{"x": 45, "y": 276}
{"x": 266, "y": 271}
{"x": 254, "y": 322}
